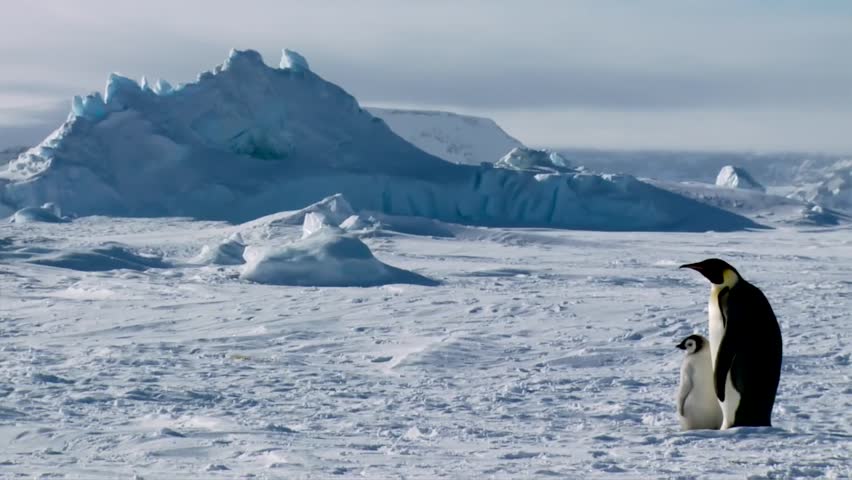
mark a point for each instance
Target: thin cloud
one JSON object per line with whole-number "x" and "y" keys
{"x": 611, "y": 60}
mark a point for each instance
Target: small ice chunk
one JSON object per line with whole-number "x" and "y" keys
{"x": 162, "y": 87}
{"x": 559, "y": 160}
{"x": 47, "y": 213}
{"x": 91, "y": 106}
{"x": 357, "y": 222}
{"x": 532, "y": 160}
{"x": 294, "y": 61}
{"x": 243, "y": 59}
{"x": 314, "y": 222}
{"x": 226, "y": 252}
{"x": 117, "y": 84}
{"x": 53, "y": 208}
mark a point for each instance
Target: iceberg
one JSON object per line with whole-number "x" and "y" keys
{"x": 248, "y": 140}
{"x": 532, "y": 160}
{"x": 736, "y": 177}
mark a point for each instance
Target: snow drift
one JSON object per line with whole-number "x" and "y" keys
{"x": 102, "y": 258}
{"x": 227, "y": 252}
{"x": 246, "y": 140}
{"x": 327, "y": 258}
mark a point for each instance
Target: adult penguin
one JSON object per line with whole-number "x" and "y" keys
{"x": 745, "y": 344}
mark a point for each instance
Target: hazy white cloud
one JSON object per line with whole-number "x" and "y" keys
{"x": 757, "y": 74}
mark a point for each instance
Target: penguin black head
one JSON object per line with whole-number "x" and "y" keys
{"x": 692, "y": 344}
{"x": 713, "y": 269}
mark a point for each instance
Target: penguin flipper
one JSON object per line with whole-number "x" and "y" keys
{"x": 685, "y": 389}
{"x": 728, "y": 347}
{"x": 724, "y": 362}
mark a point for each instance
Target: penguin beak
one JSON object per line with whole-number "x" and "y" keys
{"x": 705, "y": 271}
{"x": 681, "y": 346}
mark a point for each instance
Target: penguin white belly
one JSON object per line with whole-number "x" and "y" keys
{"x": 731, "y": 403}
{"x": 699, "y": 414}
{"x": 717, "y": 325}
{"x": 700, "y": 407}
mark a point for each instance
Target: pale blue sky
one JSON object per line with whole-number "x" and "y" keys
{"x": 611, "y": 74}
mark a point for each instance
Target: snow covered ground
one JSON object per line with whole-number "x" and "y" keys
{"x": 541, "y": 354}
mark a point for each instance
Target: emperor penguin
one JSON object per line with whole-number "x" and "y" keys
{"x": 697, "y": 407}
{"x": 745, "y": 346}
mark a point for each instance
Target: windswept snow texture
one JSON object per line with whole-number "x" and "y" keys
{"x": 456, "y": 138}
{"x": 247, "y": 140}
{"x": 326, "y": 258}
{"x": 542, "y": 354}
{"x": 736, "y": 177}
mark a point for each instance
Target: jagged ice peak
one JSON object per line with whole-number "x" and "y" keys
{"x": 95, "y": 106}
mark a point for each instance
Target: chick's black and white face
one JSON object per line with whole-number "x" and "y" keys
{"x": 691, "y": 344}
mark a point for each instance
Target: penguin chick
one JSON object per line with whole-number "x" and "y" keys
{"x": 697, "y": 407}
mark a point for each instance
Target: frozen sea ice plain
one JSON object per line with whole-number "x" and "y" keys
{"x": 152, "y": 347}
{"x": 542, "y": 354}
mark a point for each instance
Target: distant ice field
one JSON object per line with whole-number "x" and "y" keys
{"x": 540, "y": 354}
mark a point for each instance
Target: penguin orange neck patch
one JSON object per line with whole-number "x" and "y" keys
{"x": 729, "y": 279}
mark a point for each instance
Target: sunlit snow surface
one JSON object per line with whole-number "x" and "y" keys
{"x": 542, "y": 354}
